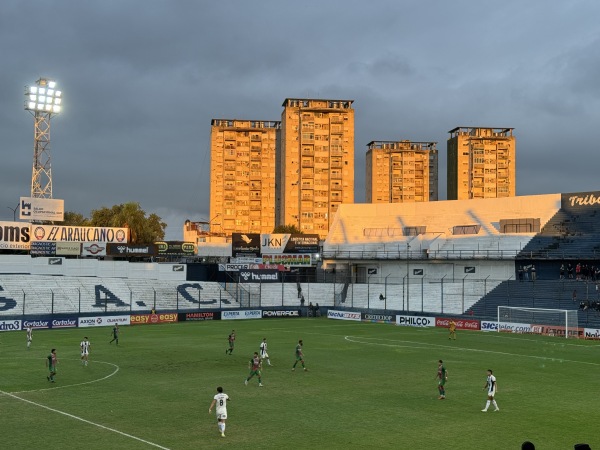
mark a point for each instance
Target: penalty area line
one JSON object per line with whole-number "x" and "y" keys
{"x": 84, "y": 420}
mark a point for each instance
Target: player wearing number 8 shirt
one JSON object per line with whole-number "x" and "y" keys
{"x": 221, "y": 401}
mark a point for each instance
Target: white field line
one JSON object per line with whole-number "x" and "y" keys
{"x": 420, "y": 345}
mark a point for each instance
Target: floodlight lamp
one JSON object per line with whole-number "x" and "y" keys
{"x": 48, "y": 107}
{"x": 32, "y": 97}
{"x": 31, "y": 105}
{"x": 56, "y": 109}
{"x": 42, "y": 91}
{"x": 57, "y": 101}
{"x": 42, "y": 98}
{"x": 50, "y": 92}
{"x": 33, "y": 90}
{"x": 58, "y": 93}
{"x": 40, "y": 107}
{"x": 51, "y": 84}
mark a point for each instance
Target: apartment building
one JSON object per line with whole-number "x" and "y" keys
{"x": 315, "y": 172}
{"x": 401, "y": 172}
{"x": 242, "y": 175}
{"x": 481, "y": 163}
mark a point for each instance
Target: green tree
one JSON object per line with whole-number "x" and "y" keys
{"x": 73, "y": 219}
{"x": 142, "y": 229}
{"x": 287, "y": 229}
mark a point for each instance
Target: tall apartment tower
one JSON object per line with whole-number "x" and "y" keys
{"x": 401, "y": 172}
{"x": 315, "y": 170}
{"x": 481, "y": 163}
{"x": 242, "y": 175}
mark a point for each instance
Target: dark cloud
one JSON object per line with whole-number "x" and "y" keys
{"x": 142, "y": 81}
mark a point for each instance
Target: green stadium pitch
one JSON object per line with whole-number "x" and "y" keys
{"x": 368, "y": 386}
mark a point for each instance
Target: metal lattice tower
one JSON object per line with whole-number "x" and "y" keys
{"x": 43, "y": 102}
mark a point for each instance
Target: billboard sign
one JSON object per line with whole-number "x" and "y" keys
{"x": 34, "y": 208}
{"x": 131, "y": 250}
{"x": 78, "y": 234}
{"x": 93, "y": 249}
{"x": 14, "y": 236}
{"x": 289, "y": 243}
{"x": 175, "y": 248}
{"x": 245, "y": 244}
{"x": 297, "y": 260}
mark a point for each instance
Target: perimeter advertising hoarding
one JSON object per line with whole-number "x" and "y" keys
{"x": 279, "y": 313}
{"x": 14, "y": 236}
{"x": 259, "y": 276}
{"x": 378, "y": 318}
{"x": 34, "y": 208}
{"x": 200, "y": 316}
{"x": 175, "y": 248}
{"x": 343, "y": 315}
{"x": 93, "y": 249}
{"x": 245, "y": 314}
{"x": 68, "y": 248}
{"x": 415, "y": 321}
{"x": 461, "y": 324}
{"x": 103, "y": 321}
{"x": 149, "y": 319}
{"x": 297, "y": 260}
{"x": 78, "y": 234}
{"x": 10, "y": 325}
{"x": 43, "y": 248}
{"x": 131, "y": 250}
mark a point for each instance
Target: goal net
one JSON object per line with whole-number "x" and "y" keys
{"x": 552, "y": 322}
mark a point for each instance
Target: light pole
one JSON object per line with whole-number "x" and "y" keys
{"x": 43, "y": 100}
{"x": 14, "y": 210}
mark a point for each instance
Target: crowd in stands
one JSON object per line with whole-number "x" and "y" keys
{"x": 581, "y": 272}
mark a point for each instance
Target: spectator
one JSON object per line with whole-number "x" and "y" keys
{"x": 302, "y": 301}
{"x": 578, "y": 271}
{"x": 317, "y": 310}
{"x": 574, "y": 295}
{"x": 311, "y": 309}
{"x": 570, "y": 271}
{"x": 520, "y": 272}
{"x": 533, "y": 274}
{"x": 381, "y": 297}
{"x": 562, "y": 271}
{"x": 526, "y": 272}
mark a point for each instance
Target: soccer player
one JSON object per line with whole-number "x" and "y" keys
{"x": 231, "y": 342}
{"x": 29, "y": 336}
{"x": 452, "y": 330}
{"x": 442, "y": 376}
{"x": 263, "y": 351}
{"x": 51, "y": 363}
{"x": 491, "y": 387}
{"x": 85, "y": 351}
{"x": 115, "y": 334}
{"x": 255, "y": 364}
{"x": 299, "y": 356}
{"x": 220, "y": 399}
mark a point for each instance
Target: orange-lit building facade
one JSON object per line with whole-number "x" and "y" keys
{"x": 401, "y": 172}
{"x": 481, "y": 163}
{"x": 242, "y": 176}
{"x": 315, "y": 164}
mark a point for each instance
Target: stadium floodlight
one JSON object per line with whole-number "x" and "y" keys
{"x": 43, "y": 94}
{"x": 43, "y": 101}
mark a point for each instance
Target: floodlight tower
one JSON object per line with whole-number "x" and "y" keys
{"x": 43, "y": 100}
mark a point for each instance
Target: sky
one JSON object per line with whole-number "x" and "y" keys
{"x": 141, "y": 81}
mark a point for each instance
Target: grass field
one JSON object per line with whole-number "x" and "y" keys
{"x": 368, "y": 386}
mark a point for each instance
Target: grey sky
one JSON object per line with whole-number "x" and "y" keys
{"x": 142, "y": 80}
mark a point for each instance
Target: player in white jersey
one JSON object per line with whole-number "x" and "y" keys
{"x": 29, "y": 336}
{"x": 221, "y": 401}
{"x": 492, "y": 388}
{"x": 263, "y": 351}
{"x": 85, "y": 351}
